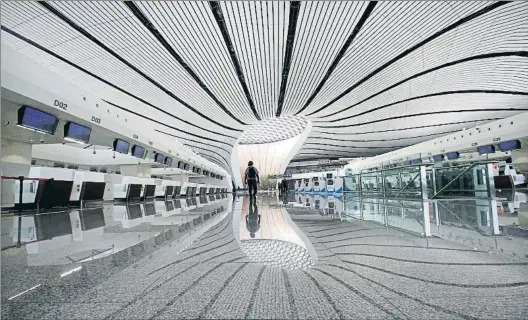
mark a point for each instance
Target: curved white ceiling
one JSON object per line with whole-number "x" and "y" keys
{"x": 269, "y": 158}
{"x": 371, "y": 76}
{"x": 272, "y": 130}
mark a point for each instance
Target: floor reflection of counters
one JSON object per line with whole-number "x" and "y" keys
{"x": 54, "y": 243}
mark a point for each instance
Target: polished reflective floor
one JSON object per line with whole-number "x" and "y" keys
{"x": 224, "y": 257}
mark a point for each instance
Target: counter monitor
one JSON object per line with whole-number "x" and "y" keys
{"x": 38, "y": 120}
{"x": 138, "y": 152}
{"x": 76, "y": 133}
{"x": 159, "y": 158}
{"x": 121, "y": 146}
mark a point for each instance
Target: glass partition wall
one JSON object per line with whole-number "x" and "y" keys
{"x": 429, "y": 200}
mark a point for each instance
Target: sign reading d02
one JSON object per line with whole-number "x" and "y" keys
{"x": 60, "y": 104}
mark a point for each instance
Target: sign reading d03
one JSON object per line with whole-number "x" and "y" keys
{"x": 96, "y": 120}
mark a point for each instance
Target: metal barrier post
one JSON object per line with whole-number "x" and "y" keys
{"x": 437, "y": 216}
{"x": 20, "y": 194}
{"x": 492, "y": 198}
{"x": 425, "y": 202}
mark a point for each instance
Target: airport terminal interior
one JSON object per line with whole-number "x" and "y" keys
{"x": 387, "y": 142}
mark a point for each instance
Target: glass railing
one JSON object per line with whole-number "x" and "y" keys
{"x": 458, "y": 203}
{"x": 464, "y": 181}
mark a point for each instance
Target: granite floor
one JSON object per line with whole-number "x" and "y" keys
{"x": 236, "y": 258}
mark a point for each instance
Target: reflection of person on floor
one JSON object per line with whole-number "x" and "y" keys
{"x": 253, "y": 218}
{"x": 283, "y": 189}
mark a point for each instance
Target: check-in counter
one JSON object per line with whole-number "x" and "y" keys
{"x": 88, "y": 186}
{"x": 201, "y": 189}
{"x": 134, "y": 188}
{"x": 191, "y": 189}
{"x": 44, "y": 192}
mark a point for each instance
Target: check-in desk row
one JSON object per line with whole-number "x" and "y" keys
{"x": 47, "y": 187}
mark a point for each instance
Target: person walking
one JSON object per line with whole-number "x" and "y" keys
{"x": 251, "y": 178}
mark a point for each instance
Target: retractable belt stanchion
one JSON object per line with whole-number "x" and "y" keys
{"x": 21, "y": 192}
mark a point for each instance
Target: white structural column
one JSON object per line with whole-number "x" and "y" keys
{"x": 271, "y": 158}
{"x": 15, "y": 161}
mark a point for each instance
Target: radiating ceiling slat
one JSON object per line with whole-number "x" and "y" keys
{"x": 461, "y": 69}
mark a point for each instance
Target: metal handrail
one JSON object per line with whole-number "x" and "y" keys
{"x": 399, "y": 167}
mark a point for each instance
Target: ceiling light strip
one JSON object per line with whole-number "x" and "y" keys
{"x": 523, "y": 54}
{"x": 183, "y": 26}
{"x": 222, "y": 68}
{"x": 351, "y": 147}
{"x": 329, "y": 38}
{"x": 207, "y": 150}
{"x": 217, "y": 12}
{"x": 315, "y": 58}
{"x": 425, "y": 114}
{"x": 166, "y": 125}
{"x": 290, "y": 40}
{"x": 68, "y": 21}
{"x": 325, "y": 42}
{"x": 135, "y": 32}
{"x": 146, "y": 22}
{"x": 380, "y": 140}
{"x": 361, "y": 22}
{"x": 409, "y": 50}
{"x": 36, "y": 45}
{"x": 234, "y": 23}
{"x": 191, "y": 140}
{"x": 388, "y": 40}
{"x": 436, "y": 94}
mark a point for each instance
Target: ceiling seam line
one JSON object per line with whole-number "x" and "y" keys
{"x": 341, "y": 53}
{"x": 36, "y": 45}
{"x": 290, "y": 41}
{"x": 219, "y": 17}
{"x": 411, "y": 49}
{"x": 79, "y": 29}
{"x": 150, "y": 26}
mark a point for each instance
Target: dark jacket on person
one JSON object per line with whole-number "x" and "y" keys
{"x": 251, "y": 174}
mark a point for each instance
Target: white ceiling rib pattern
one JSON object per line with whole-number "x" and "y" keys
{"x": 258, "y": 30}
{"x": 318, "y": 44}
{"x": 129, "y": 39}
{"x": 189, "y": 31}
{"x": 273, "y": 130}
{"x": 393, "y": 28}
{"x": 407, "y": 72}
{"x": 178, "y": 57}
